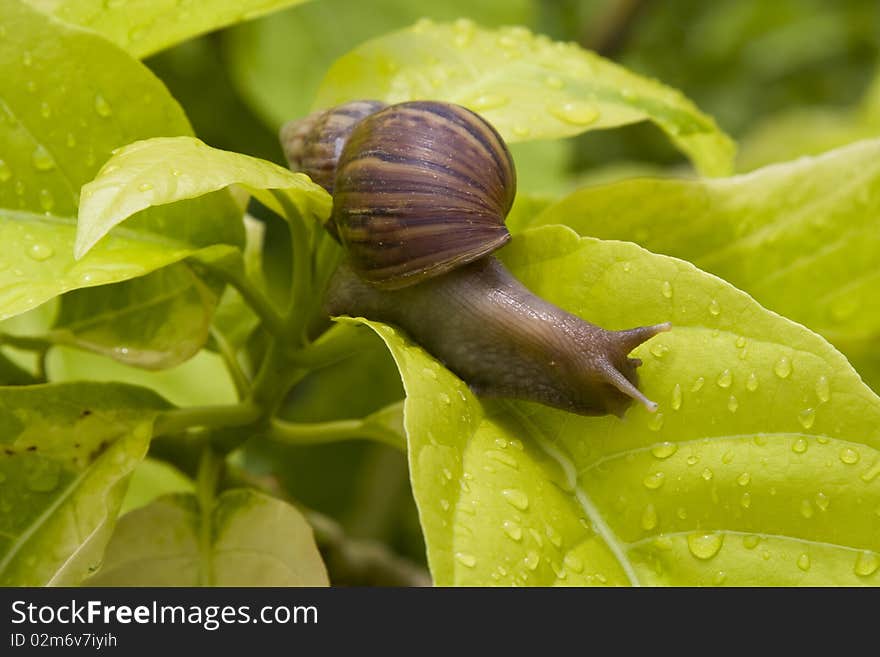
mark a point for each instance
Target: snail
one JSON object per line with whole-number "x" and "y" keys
{"x": 420, "y": 192}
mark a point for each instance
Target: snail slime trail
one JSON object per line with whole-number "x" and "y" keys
{"x": 420, "y": 192}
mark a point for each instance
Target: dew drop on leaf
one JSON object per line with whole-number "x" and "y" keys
{"x": 513, "y": 530}
{"x": 575, "y": 113}
{"x": 782, "y": 369}
{"x": 531, "y": 560}
{"x": 750, "y": 541}
{"x": 822, "y": 501}
{"x": 649, "y": 517}
{"x": 799, "y": 446}
{"x": 41, "y": 159}
{"x": 714, "y": 308}
{"x": 102, "y": 107}
{"x": 654, "y": 480}
{"x": 744, "y": 479}
{"x": 698, "y": 384}
{"x": 823, "y": 389}
{"x": 516, "y": 498}
{"x": 807, "y": 418}
{"x": 707, "y": 474}
{"x": 866, "y": 564}
{"x": 849, "y": 456}
{"x": 656, "y": 422}
{"x": 664, "y": 450}
{"x": 47, "y": 201}
{"x": 573, "y": 563}
{"x": 752, "y": 382}
{"x": 40, "y": 252}
{"x": 803, "y": 562}
{"x": 489, "y": 101}
{"x": 666, "y": 289}
{"x": 724, "y": 379}
{"x": 554, "y": 536}
{"x": 871, "y": 473}
{"x": 704, "y": 546}
{"x": 676, "y": 397}
{"x": 806, "y": 509}
{"x": 732, "y": 404}
{"x": 465, "y": 559}
{"x": 746, "y": 500}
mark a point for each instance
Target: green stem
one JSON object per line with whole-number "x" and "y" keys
{"x": 210, "y": 467}
{"x": 300, "y": 287}
{"x": 26, "y": 342}
{"x": 207, "y": 417}
{"x": 253, "y": 296}
{"x": 317, "y": 433}
{"x": 230, "y": 359}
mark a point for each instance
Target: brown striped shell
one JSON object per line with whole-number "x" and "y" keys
{"x": 421, "y": 188}
{"x": 313, "y": 144}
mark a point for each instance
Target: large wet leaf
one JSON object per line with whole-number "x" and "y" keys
{"x": 62, "y": 112}
{"x": 156, "y": 172}
{"x": 144, "y": 26}
{"x": 247, "y": 539}
{"x": 802, "y": 237}
{"x": 278, "y": 62}
{"x": 67, "y": 452}
{"x": 527, "y": 86}
{"x": 761, "y": 466}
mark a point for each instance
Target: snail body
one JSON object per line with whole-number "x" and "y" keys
{"x": 420, "y": 193}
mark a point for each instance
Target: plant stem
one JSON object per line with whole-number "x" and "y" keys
{"x": 230, "y": 359}
{"x": 297, "y": 314}
{"x": 317, "y": 433}
{"x": 208, "y": 417}
{"x": 210, "y": 467}
{"x": 26, "y": 342}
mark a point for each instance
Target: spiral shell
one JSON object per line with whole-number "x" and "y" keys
{"x": 421, "y": 188}
{"x": 313, "y": 144}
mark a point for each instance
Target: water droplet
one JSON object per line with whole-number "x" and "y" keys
{"x": 698, "y": 384}
{"x": 714, "y": 308}
{"x": 444, "y": 504}
{"x": 707, "y": 474}
{"x": 522, "y": 130}
{"x": 575, "y": 113}
{"x": 719, "y": 578}
{"x": 806, "y": 509}
{"x": 465, "y": 559}
{"x": 705, "y": 546}
{"x": 654, "y": 480}
{"x": 513, "y": 530}
{"x": 871, "y": 473}
{"x": 428, "y": 372}
{"x": 744, "y": 479}
{"x": 803, "y": 562}
{"x": 725, "y": 379}
{"x": 693, "y": 459}
{"x": 727, "y": 457}
{"x": 822, "y": 501}
{"x": 5, "y": 171}
{"x": 659, "y": 350}
{"x": 867, "y": 564}
{"x": 746, "y": 500}
{"x": 750, "y": 541}
{"x": 553, "y": 535}
{"x": 516, "y": 498}
{"x": 664, "y": 450}
{"x": 464, "y": 32}
{"x": 47, "y": 201}
{"x": 489, "y": 101}
{"x": 102, "y": 107}
{"x": 145, "y": 187}
{"x": 516, "y": 444}
{"x": 553, "y": 82}
{"x": 656, "y": 422}
{"x": 649, "y": 518}
{"x": 444, "y": 398}
{"x": 531, "y": 560}
{"x": 849, "y": 456}
{"x": 502, "y": 457}
{"x": 501, "y": 442}
{"x": 807, "y": 417}
{"x": 752, "y": 382}
{"x": 535, "y": 534}
{"x": 732, "y": 404}
{"x": 799, "y": 446}
{"x": 573, "y": 562}
{"x": 676, "y": 397}
{"x": 40, "y": 252}
{"x": 42, "y": 159}
{"x": 740, "y": 342}
{"x": 666, "y": 289}
{"x": 783, "y": 367}
{"x": 681, "y": 513}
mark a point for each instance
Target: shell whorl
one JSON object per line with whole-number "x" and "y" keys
{"x": 314, "y": 143}
{"x": 421, "y": 188}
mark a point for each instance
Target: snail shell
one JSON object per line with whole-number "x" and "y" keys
{"x": 421, "y": 188}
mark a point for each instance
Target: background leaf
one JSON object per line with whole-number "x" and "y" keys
{"x": 62, "y": 111}
{"x": 67, "y": 452}
{"x": 151, "y": 479}
{"x": 144, "y": 26}
{"x": 526, "y": 86}
{"x": 253, "y": 540}
{"x": 801, "y": 237}
{"x": 760, "y": 467}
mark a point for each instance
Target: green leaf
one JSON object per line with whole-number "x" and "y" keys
{"x": 800, "y": 237}
{"x": 155, "y": 321}
{"x": 277, "y": 62}
{"x": 527, "y": 86}
{"x": 67, "y": 452}
{"x": 761, "y": 466}
{"x": 159, "y": 171}
{"x": 152, "y": 479}
{"x": 202, "y": 380}
{"x": 143, "y": 27}
{"x": 250, "y": 540}
{"x": 67, "y": 99}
